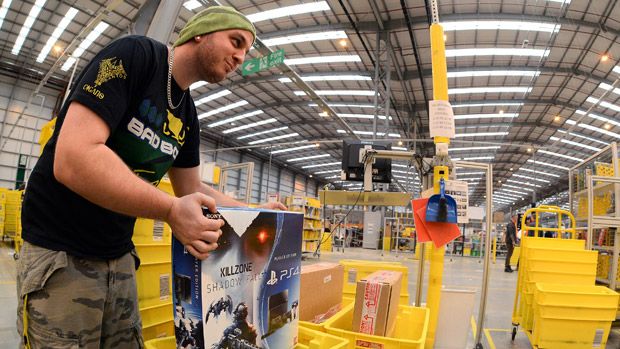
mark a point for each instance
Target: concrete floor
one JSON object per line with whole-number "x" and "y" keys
{"x": 459, "y": 272}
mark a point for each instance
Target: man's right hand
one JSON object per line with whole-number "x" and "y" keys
{"x": 196, "y": 232}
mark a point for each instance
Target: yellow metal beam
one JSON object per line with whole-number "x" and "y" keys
{"x": 336, "y": 197}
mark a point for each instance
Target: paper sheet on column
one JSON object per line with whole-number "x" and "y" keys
{"x": 441, "y": 119}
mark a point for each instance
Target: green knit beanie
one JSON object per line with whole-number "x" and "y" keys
{"x": 213, "y": 19}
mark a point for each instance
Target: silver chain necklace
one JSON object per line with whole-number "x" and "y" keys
{"x": 169, "y": 87}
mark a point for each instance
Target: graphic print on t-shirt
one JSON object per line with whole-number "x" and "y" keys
{"x": 150, "y": 141}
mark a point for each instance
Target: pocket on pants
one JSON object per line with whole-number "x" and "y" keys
{"x": 41, "y": 338}
{"x": 36, "y": 266}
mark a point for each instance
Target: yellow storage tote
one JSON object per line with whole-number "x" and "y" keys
{"x": 571, "y": 316}
{"x": 164, "y": 332}
{"x": 154, "y": 282}
{"x": 410, "y": 333}
{"x": 356, "y": 270}
{"x": 514, "y": 259}
{"x": 346, "y": 300}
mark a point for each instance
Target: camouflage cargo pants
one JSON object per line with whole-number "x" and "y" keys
{"x": 76, "y": 303}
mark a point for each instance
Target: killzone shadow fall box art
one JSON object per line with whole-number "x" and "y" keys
{"x": 245, "y": 295}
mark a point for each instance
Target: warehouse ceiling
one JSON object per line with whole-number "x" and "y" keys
{"x": 521, "y": 75}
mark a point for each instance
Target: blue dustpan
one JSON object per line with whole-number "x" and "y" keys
{"x": 441, "y": 207}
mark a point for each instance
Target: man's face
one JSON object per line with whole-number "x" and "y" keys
{"x": 220, "y": 53}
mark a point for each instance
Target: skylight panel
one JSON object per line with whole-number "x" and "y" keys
{"x": 475, "y": 148}
{"x": 603, "y": 104}
{"x": 223, "y": 109}
{"x": 92, "y": 36}
{"x": 531, "y": 178}
{"x": 475, "y": 73}
{"x": 481, "y": 134}
{"x": 577, "y": 144}
{"x": 310, "y": 157}
{"x": 323, "y": 59}
{"x": 289, "y": 11}
{"x": 485, "y": 116}
{"x": 23, "y": 33}
{"x": 235, "y": 118}
{"x": 212, "y": 96}
{"x": 490, "y": 104}
{"x": 607, "y": 87}
{"x": 339, "y": 93}
{"x": 192, "y": 5}
{"x": 339, "y": 105}
{"x": 573, "y": 158}
{"x": 537, "y": 171}
{"x": 323, "y": 165}
{"x": 501, "y": 25}
{"x": 263, "y": 132}
{"x": 536, "y": 162}
{"x": 295, "y": 148}
{"x": 329, "y": 78}
{"x": 316, "y": 36}
{"x": 289, "y": 135}
{"x": 56, "y": 34}
{"x": 254, "y": 124}
{"x": 524, "y": 52}
{"x": 4, "y": 9}
{"x": 498, "y": 89}
{"x": 197, "y": 85}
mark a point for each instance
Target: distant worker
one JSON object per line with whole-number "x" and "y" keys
{"x": 510, "y": 238}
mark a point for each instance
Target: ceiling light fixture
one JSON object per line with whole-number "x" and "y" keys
{"x": 329, "y": 78}
{"x": 316, "y": 36}
{"x": 465, "y": 52}
{"x": 309, "y": 157}
{"x": 501, "y": 114}
{"x": 223, "y": 109}
{"x": 254, "y": 124}
{"x": 56, "y": 34}
{"x": 274, "y": 138}
{"x": 289, "y": 11}
{"x": 498, "y": 89}
{"x": 323, "y": 59}
{"x": 90, "y": 38}
{"x": 263, "y": 132}
{"x": 236, "y": 118}
{"x": 501, "y": 25}
{"x": 23, "y": 33}
{"x": 212, "y": 96}
{"x": 338, "y": 93}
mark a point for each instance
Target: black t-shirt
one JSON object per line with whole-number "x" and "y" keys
{"x": 125, "y": 84}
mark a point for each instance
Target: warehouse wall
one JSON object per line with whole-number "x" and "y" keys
{"x": 21, "y": 138}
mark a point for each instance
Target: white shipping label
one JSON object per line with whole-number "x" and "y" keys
{"x": 598, "y": 338}
{"x": 460, "y": 192}
{"x": 327, "y": 279}
{"x": 164, "y": 286}
{"x": 441, "y": 119}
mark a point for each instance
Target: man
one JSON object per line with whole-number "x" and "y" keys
{"x": 128, "y": 120}
{"x": 510, "y": 238}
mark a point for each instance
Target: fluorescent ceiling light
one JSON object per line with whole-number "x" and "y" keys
{"x": 212, "y": 96}
{"x": 502, "y": 89}
{"x": 338, "y": 105}
{"x": 197, "y": 85}
{"x": 263, "y": 132}
{"x": 92, "y": 36}
{"x": 574, "y": 158}
{"x": 4, "y": 9}
{"x": 329, "y": 78}
{"x": 596, "y": 117}
{"x": 485, "y": 116}
{"x": 479, "y": 158}
{"x": 512, "y": 196}
{"x": 399, "y": 165}
{"x": 513, "y": 181}
{"x": 406, "y": 177}
{"x": 458, "y": 174}
{"x": 490, "y": 104}
{"x": 309, "y": 157}
{"x": 338, "y": 93}
{"x": 254, "y": 124}
{"x": 474, "y": 73}
{"x": 513, "y": 191}
{"x": 23, "y": 33}
{"x": 603, "y": 104}
{"x": 515, "y": 187}
{"x": 539, "y": 172}
{"x": 322, "y": 165}
{"x": 333, "y": 177}
{"x": 56, "y": 34}
{"x": 615, "y": 70}
{"x": 560, "y": 1}
{"x": 316, "y": 36}
{"x": 474, "y": 148}
{"x": 323, "y": 59}
{"x": 530, "y": 178}
{"x": 399, "y": 148}
{"x": 362, "y": 116}
{"x": 547, "y": 164}
{"x": 370, "y": 133}
{"x": 413, "y": 173}
{"x": 235, "y": 118}
{"x": 607, "y": 87}
{"x": 223, "y": 109}
{"x": 192, "y": 5}
{"x": 500, "y": 25}
{"x": 471, "y": 179}
{"x": 481, "y": 134}
{"x": 326, "y": 171}
{"x": 289, "y": 11}
{"x": 295, "y": 148}
{"x": 288, "y": 135}
{"x": 582, "y": 136}
{"x": 599, "y": 130}
{"x": 465, "y": 52}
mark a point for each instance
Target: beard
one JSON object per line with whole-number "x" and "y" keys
{"x": 211, "y": 65}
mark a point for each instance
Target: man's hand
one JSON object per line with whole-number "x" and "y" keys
{"x": 273, "y": 206}
{"x": 195, "y": 231}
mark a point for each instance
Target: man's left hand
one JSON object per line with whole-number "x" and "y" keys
{"x": 273, "y": 206}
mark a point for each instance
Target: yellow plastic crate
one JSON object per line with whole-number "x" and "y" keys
{"x": 346, "y": 300}
{"x": 573, "y": 316}
{"x": 150, "y": 254}
{"x": 563, "y": 266}
{"x": 326, "y": 242}
{"x": 154, "y": 282}
{"x": 410, "y": 332}
{"x": 356, "y": 270}
{"x": 159, "y": 336}
{"x": 153, "y": 314}
{"x": 514, "y": 259}
{"x": 148, "y": 231}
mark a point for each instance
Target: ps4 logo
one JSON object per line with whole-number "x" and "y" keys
{"x": 273, "y": 280}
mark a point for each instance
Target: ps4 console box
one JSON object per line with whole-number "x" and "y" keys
{"x": 245, "y": 295}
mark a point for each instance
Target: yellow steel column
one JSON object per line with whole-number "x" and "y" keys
{"x": 440, "y": 93}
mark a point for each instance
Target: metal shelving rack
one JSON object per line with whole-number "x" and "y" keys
{"x": 594, "y": 196}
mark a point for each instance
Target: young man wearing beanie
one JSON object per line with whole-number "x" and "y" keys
{"x": 128, "y": 120}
